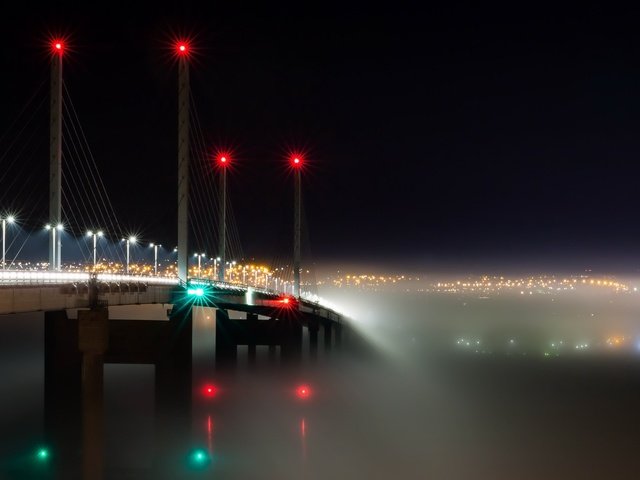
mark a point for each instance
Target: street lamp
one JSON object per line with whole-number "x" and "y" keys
{"x": 131, "y": 240}
{"x": 215, "y": 267}
{"x": 8, "y": 219}
{"x": 95, "y": 236}
{"x": 155, "y": 258}
{"x": 199, "y": 255}
{"x": 56, "y": 260}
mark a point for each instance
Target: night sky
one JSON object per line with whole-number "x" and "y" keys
{"x": 470, "y": 135}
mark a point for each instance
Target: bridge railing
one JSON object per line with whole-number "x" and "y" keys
{"x": 33, "y": 277}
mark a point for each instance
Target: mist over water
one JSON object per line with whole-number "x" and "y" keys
{"x": 426, "y": 406}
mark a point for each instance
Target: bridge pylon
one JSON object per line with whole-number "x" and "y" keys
{"x": 182, "y": 51}
{"x": 55, "y": 153}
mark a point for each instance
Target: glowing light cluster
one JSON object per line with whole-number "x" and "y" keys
{"x": 485, "y": 284}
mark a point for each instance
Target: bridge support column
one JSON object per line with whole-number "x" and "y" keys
{"x": 93, "y": 341}
{"x": 62, "y": 392}
{"x": 291, "y": 346}
{"x": 252, "y": 324}
{"x": 313, "y": 340}
{"x": 338, "y": 334}
{"x": 327, "y": 336}
{"x": 173, "y": 388}
{"x": 272, "y": 354}
{"x": 226, "y": 346}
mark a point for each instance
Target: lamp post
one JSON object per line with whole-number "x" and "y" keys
{"x": 8, "y": 219}
{"x": 57, "y": 252}
{"x": 95, "y": 236}
{"x": 199, "y": 255}
{"x": 155, "y": 258}
{"x": 131, "y": 240}
{"x": 215, "y": 267}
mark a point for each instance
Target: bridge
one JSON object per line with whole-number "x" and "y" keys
{"x": 251, "y": 307}
{"x": 60, "y": 289}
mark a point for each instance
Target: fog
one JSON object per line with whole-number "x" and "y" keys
{"x": 421, "y": 404}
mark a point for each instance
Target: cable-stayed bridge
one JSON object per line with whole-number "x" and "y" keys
{"x": 233, "y": 303}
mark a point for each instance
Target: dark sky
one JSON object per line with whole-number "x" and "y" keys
{"x": 468, "y": 134}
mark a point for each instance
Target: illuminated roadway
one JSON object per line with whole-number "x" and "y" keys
{"x": 34, "y": 291}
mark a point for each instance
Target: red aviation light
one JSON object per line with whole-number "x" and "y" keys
{"x": 303, "y": 392}
{"x": 296, "y": 161}
{"x": 183, "y": 48}
{"x": 57, "y": 46}
{"x": 223, "y": 157}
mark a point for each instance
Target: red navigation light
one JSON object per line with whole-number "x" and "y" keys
{"x": 303, "y": 392}
{"x": 296, "y": 161}
{"x": 287, "y": 302}
{"x": 209, "y": 390}
{"x": 222, "y": 160}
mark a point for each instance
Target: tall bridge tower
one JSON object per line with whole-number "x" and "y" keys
{"x": 55, "y": 152}
{"x": 182, "y": 51}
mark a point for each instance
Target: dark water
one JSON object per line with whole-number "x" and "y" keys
{"x": 425, "y": 409}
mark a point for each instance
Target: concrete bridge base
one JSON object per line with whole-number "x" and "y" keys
{"x": 77, "y": 349}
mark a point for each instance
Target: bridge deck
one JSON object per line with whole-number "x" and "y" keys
{"x": 33, "y": 291}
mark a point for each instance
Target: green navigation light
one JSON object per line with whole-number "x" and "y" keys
{"x": 42, "y": 454}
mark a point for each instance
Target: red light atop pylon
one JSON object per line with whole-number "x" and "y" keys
{"x": 223, "y": 157}
{"x": 57, "y": 46}
{"x": 182, "y": 48}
